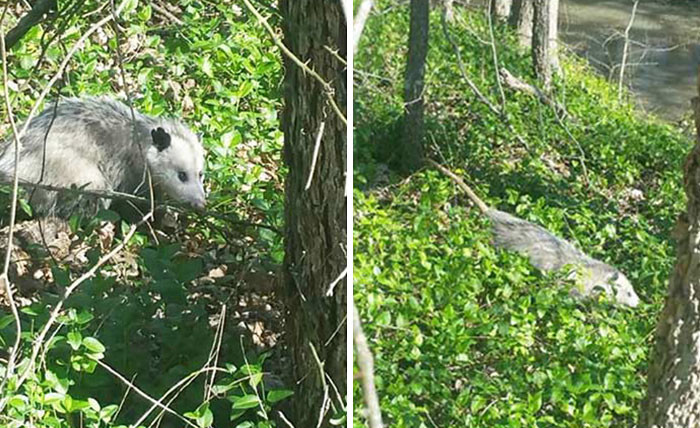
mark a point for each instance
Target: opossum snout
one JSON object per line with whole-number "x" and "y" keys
{"x": 199, "y": 203}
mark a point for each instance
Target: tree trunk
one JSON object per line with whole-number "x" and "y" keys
{"x": 554, "y": 34}
{"x": 521, "y": 18}
{"x": 501, "y": 8}
{"x": 540, "y": 43}
{"x": 315, "y": 218}
{"x": 674, "y": 371}
{"x": 413, "y": 129}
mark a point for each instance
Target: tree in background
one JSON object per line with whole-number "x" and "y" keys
{"x": 541, "y": 52}
{"x": 672, "y": 386}
{"x": 501, "y": 8}
{"x": 413, "y": 127}
{"x": 315, "y": 208}
{"x": 521, "y": 18}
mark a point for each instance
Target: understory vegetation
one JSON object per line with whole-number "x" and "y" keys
{"x": 151, "y": 322}
{"x": 464, "y": 334}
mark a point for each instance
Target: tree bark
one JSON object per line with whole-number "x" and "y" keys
{"x": 673, "y": 387}
{"x": 521, "y": 18}
{"x": 540, "y": 43}
{"x": 413, "y": 129}
{"x": 501, "y": 8}
{"x": 554, "y": 34}
{"x": 315, "y": 218}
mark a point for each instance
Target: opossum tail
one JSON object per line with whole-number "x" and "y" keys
{"x": 462, "y": 185}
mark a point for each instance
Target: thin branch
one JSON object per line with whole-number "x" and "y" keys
{"x": 13, "y": 212}
{"x": 327, "y": 88}
{"x": 165, "y": 12}
{"x": 494, "y": 53}
{"x": 214, "y": 353}
{"x": 365, "y": 364}
{"x": 624, "y": 51}
{"x": 143, "y": 394}
{"x": 501, "y": 113}
{"x": 325, "y": 403}
{"x": 314, "y": 158}
{"x": 335, "y": 282}
{"x": 516, "y": 84}
{"x": 463, "y": 70}
{"x": 359, "y": 21}
{"x": 181, "y": 207}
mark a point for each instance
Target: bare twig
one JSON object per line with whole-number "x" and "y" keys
{"x": 166, "y": 13}
{"x": 335, "y": 282}
{"x": 314, "y": 158}
{"x": 494, "y": 53}
{"x": 4, "y": 278}
{"x": 327, "y": 88}
{"x": 263, "y": 412}
{"x": 624, "y": 50}
{"x": 358, "y": 23}
{"x": 143, "y": 394}
{"x": 365, "y": 364}
{"x": 109, "y": 194}
{"x": 463, "y": 70}
{"x": 214, "y": 353}
{"x": 325, "y": 403}
{"x": 519, "y": 85}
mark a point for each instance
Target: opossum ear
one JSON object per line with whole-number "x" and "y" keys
{"x": 161, "y": 139}
{"x": 200, "y": 136}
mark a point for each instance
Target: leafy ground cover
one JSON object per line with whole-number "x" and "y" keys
{"x": 152, "y": 314}
{"x": 467, "y": 335}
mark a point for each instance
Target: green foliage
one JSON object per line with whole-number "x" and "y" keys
{"x": 464, "y": 334}
{"x": 145, "y": 315}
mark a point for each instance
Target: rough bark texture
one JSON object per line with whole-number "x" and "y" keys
{"x": 521, "y": 18}
{"x": 413, "y": 130}
{"x": 673, "y": 392}
{"x": 315, "y": 229}
{"x": 540, "y": 43}
{"x": 501, "y": 8}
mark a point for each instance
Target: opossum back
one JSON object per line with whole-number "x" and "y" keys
{"x": 545, "y": 251}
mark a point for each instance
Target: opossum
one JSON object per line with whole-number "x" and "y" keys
{"x": 95, "y": 143}
{"x": 548, "y": 252}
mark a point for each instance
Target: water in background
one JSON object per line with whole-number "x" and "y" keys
{"x": 664, "y": 50}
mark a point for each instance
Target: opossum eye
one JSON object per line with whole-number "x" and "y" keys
{"x": 182, "y": 175}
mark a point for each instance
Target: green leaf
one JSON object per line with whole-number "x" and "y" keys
{"x": 93, "y": 345}
{"x": 129, "y": 6}
{"x": 74, "y": 339}
{"x": 244, "y": 402}
{"x": 278, "y": 395}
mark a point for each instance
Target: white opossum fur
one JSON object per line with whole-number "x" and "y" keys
{"x": 550, "y": 253}
{"x": 95, "y": 143}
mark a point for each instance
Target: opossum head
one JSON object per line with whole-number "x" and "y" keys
{"x": 623, "y": 290}
{"x": 176, "y": 159}
{"x": 605, "y": 278}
